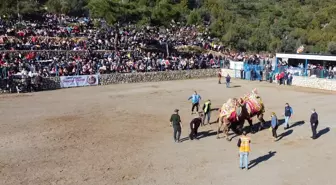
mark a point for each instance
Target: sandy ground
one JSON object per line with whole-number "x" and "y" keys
{"x": 120, "y": 134}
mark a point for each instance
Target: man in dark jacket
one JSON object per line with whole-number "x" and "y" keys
{"x": 288, "y": 114}
{"x": 175, "y": 121}
{"x": 194, "y": 125}
{"x": 228, "y": 80}
{"x": 314, "y": 123}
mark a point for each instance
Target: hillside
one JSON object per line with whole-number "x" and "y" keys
{"x": 254, "y": 25}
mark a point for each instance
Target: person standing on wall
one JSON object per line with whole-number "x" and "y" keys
{"x": 244, "y": 150}
{"x": 228, "y": 79}
{"x": 206, "y": 110}
{"x": 252, "y": 75}
{"x": 288, "y": 114}
{"x": 195, "y": 99}
{"x": 242, "y": 74}
{"x": 175, "y": 121}
{"x": 314, "y": 123}
{"x": 289, "y": 80}
{"x": 219, "y": 77}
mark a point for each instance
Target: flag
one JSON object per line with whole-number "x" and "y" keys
{"x": 300, "y": 49}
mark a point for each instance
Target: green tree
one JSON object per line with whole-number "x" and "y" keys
{"x": 194, "y": 18}
{"x": 272, "y": 25}
{"x": 111, "y": 10}
{"x": 288, "y": 44}
{"x": 332, "y": 47}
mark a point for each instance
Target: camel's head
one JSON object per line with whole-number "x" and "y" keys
{"x": 254, "y": 91}
{"x": 241, "y": 101}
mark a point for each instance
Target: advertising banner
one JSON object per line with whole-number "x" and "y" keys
{"x": 78, "y": 81}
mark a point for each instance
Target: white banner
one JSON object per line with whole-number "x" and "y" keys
{"x": 238, "y": 65}
{"x": 77, "y": 81}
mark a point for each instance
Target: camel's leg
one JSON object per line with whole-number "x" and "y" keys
{"x": 238, "y": 129}
{"x": 220, "y": 123}
{"x": 226, "y": 131}
{"x": 262, "y": 121}
{"x": 251, "y": 124}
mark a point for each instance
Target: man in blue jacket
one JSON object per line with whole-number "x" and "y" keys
{"x": 288, "y": 114}
{"x": 195, "y": 99}
{"x": 228, "y": 79}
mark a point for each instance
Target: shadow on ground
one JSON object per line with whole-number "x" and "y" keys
{"x": 322, "y": 132}
{"x": 235, "y": 86}
{"x": 261, "y": 159}
{"x": 205, "y": 134}
{"x": 284, "y": 134}
{"x": 296, "y": 124}
{"x": 267, "y": 124}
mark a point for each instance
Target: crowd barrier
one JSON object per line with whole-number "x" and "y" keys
{"x": 301, "y": 81}
{"x": 53, "y": 83}
{"x": 258, "y": 72}
{"x": 78, "y": 81}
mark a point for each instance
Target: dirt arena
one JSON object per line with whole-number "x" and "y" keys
{"x": 120, "y": 134}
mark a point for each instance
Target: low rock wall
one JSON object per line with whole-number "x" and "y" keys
{"x": 118, "y": 78}
{"x": 317, "y": 83}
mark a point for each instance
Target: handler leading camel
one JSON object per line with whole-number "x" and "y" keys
{"x": 194, "y": 125}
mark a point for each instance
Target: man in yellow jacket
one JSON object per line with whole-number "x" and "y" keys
{"x": 244, "y": 150}
{"x": 206, "y": 111}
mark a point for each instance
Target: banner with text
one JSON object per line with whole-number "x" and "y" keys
{"x": 77, "y": 81}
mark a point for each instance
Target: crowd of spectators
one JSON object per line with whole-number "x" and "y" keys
{"x": 60, "y": 45}
{"x": 63, "y": 45}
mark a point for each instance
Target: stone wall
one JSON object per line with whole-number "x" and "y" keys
{"x": 317, "y": 83}
{"x": 51, "y": 83}
{"x": 311, "y": 82}
{"x": 118, "y": 78}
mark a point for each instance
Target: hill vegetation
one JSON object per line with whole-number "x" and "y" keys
{"x": 253, "y": 25}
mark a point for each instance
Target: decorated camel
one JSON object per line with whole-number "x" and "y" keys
{"x": 234, "y": 112}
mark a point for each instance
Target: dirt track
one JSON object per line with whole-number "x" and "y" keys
{"x": 120, "y": 134}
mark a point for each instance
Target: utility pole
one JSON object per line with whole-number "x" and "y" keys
{"x": 18, "y": 10}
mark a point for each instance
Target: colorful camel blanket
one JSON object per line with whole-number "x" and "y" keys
{"x": 253, "y": 104}
{"x": 228, "y": 108}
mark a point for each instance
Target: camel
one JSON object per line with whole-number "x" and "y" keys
{"x": 243, "y": 109}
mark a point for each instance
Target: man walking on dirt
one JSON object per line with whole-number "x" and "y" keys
{"x": 195, "y": 99}
{"x": 288, "y": 114}
{"x": 244, "y": 150}
{"x": 175, "y": 121}
{"x": 314, "y": 123}
{"x": 228, "y": 80}
{"x": 206, "y": 111}
{"x": 194, "y": 125}
{"x": 219, "y": 77}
